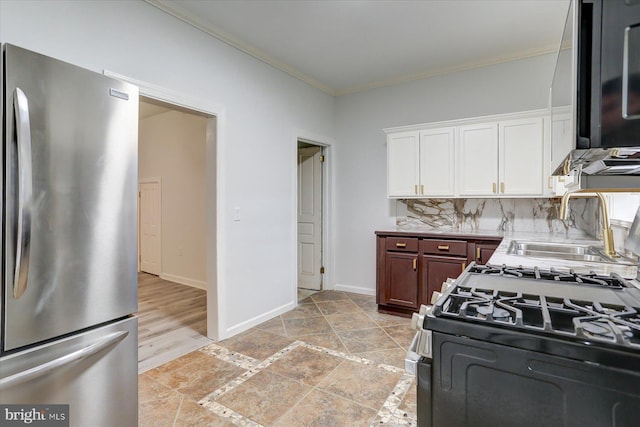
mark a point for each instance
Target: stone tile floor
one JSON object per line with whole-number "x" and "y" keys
{"x": 332, "y": 361}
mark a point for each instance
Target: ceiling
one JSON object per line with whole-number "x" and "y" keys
{"x": 346, "y": 46}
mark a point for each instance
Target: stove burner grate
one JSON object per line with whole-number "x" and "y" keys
{"x": 574, "y": 318}
{"x": 614, "y": 281}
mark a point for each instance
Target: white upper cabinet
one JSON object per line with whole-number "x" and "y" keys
{"x": 421, "y": 163}
{"x": 403, "y": 164}
{"x": 521, "y": 148}
{"x": 437, "y": 162}
{"x": 478, "y": 160}
{"x": 498, "y": 156}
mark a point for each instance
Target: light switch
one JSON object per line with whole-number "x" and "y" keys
{"x": 236, "y": 213}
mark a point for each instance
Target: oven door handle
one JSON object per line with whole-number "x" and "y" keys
{"x": 411, "y": 360}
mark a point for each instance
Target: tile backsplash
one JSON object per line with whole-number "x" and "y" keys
{"x": 537, "y": 215}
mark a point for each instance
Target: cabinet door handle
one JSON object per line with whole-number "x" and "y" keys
{"x": 464, "y": 265}
{"x": 421, "y": 189}
{"x": 415, "y": 263}
{"x": 443, "y": 247}
{"x": 478, "y": 254}
{"x": 415, "y": 188}
{"x": 502, "y": 187}
{"x": 550, "y": 183}
{"x": 401, "y": 245}
{"x": 494, "y": 187}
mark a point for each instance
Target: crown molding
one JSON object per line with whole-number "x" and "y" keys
{"x": 448, "y": 70}
{"x": 172, "y": 8}
{"x": 195, "y": 21}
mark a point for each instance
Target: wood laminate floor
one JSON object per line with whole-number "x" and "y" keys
{"x": 172, "y": 320}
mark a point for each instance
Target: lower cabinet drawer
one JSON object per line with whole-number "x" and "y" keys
{"x": 403, "y": 244}
{"x": 444, "y": 247}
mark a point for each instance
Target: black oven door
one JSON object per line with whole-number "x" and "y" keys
{"x": 482, "y": 384}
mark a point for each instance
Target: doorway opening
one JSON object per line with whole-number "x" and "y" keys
{"x": 172, "y": 231}
{"x": 310, "y": 217}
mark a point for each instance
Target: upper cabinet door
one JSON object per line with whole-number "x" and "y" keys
{"x": 478, "y": 159}
{"x": 522, "y": 157}
{"x": 403, "y": 164}
{"x": 437, "y": 162}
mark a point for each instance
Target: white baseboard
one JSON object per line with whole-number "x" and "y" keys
{"x": 355, "y": 289}
{"x": 184, "y": 281}
{"x": 255, "y": 321}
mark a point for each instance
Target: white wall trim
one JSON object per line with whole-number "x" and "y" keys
{"x": 216, "y": 280}
{"x": 184, "y": 281}
{"x": 328, "y": 260}
{"x": 248, "y": 324}
{"x": 355, "y": 289}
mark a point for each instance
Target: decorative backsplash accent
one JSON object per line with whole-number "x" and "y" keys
{"x": 539, "y": 215}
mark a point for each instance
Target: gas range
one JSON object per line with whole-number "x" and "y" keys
{"x": 585, "y": 316}
{"x": 592, "y": 308}
{"x": 547, "y": 347}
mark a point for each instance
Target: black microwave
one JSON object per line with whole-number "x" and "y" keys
{"x": 608, "y": 68}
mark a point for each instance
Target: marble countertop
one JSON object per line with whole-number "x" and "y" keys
{"x": 501, "y": 257}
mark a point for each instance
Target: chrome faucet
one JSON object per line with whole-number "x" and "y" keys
{"x": 607, "y": 232}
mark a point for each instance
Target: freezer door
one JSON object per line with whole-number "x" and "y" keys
{"x": 70, "y": 170}
{"x": 94, "y": 372}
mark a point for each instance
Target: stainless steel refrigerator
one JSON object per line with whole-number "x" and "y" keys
{"x": 69, "y": 240}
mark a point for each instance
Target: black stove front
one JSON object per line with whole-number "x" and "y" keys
{"x": 530, "y": 347}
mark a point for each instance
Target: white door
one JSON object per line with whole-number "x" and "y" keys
{"x": 150, "y": 227}
{"x": 310, "y": 218}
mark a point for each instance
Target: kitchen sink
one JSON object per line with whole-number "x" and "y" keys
{"x": 566, "y": 251}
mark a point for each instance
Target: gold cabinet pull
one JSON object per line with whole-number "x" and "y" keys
{"x": 478, "y": 254}
{"x": 494, "y": 187}
{"x": 502, "y": 187}
{"x": 415, "y": 188}
{"x": 415, "y": 263}
{"x": 401, "y": 245}
{"x": 550, "y": 183}
{"x": 464, "y": 265}
{"x": 443, "y": 247}
{"x": 422, "y": 189}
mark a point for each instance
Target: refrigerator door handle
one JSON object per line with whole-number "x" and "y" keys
{"x": 47, "y": 367}
{"x": 25, "y": 192}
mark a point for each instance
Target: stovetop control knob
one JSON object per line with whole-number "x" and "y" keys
{"x": 416, "y": 321}
{"x": 435, "y": 296}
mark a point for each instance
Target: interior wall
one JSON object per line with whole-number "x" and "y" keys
{"x": 262, "y": 106}
{"x": 361, "y": 201}
{"x": 171, "y": 146}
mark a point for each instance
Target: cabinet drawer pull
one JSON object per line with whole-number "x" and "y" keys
{"x": 464, "y": 265}
{"x": 401, "y": 245}
{"x": 478, "y": 254}
{"x": 443, "y": 247}
{"x": 415, "y": 263}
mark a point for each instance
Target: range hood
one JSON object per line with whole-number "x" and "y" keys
{"x": 602, "y": 169}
